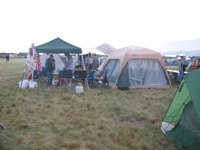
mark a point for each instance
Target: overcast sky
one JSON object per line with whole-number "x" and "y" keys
{"x": 89, "y": 23}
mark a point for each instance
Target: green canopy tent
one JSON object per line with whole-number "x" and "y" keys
{"x": 182, "y": 120}
{"x": 57, "y": 46}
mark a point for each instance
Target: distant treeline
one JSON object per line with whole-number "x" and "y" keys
{"x": 14, "y": 55}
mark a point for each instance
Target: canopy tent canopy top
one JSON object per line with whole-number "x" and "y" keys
{"x": 57, "y": 46}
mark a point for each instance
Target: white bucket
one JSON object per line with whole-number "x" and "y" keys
{"x": 24, "y": 84}
{"x": 33, "y": 84}
{"x": 79, "y": 88}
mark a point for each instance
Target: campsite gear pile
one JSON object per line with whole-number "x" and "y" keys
{"x": 182, "y": 120}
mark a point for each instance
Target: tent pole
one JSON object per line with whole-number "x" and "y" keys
{"x": 83, "y": 62}
{"x": 175, "y": 114}
{"x": 23, "y": 76}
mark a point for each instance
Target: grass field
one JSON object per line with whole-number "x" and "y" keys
{"x": 99, "y": 119}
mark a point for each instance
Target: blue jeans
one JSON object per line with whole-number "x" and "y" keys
{"x": 180, "y": 77}
{"x": 49, "y": 78}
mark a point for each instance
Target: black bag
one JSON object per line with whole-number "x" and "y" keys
{"x": 123, "y": 88}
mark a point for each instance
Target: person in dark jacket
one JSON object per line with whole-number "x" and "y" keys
{"x": 182, "y": 67}
{"x": 50, "y": 66}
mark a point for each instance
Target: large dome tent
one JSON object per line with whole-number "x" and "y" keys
{"x": 136, "y": 67}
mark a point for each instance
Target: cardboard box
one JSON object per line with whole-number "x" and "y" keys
{"x": 198, "y": 62}
{"x": 192, "y": 68}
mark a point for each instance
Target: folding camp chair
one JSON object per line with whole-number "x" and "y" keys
{"x": 81, "y": 75}
{"x": 90, "y": 76}
{"x": 37, "y": 75}
{"x": 40, "y": 76}
{"x": 64, "y": 74}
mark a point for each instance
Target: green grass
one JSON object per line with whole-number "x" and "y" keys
{"x": 172, "y": 67}
{"x": 99, "y": 119}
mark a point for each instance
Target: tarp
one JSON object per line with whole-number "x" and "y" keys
{"x": 136, "y": 67}
{"x": 186, "y": 47}
{"x": 103, "y": 49}
{"x": 57, "y": 46}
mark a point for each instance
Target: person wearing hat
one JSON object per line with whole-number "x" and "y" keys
{"x": 182, "y": 67}
{"x": 50, "y": 66}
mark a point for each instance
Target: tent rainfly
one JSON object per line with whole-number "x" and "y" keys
{"x": 181, "y": 122}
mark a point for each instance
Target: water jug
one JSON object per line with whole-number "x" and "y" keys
{"x": 79, "y": 88}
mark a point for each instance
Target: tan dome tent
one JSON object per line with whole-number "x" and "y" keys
{"x": 136, "y": 67}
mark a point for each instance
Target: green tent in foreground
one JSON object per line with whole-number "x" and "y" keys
{"x": 57, "y": 46}
{"x": 182, "y": 120}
